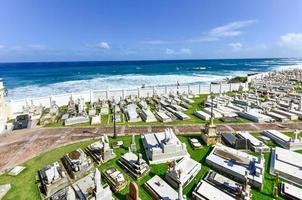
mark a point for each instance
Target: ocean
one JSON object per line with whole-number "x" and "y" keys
{"x": 45, "y": 78}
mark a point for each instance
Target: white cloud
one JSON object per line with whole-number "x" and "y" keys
{"x": 182, "y": 51}
{"x": 291, "y": 40}
{"x": 103, "y": 45}
{"x": 170, "y": 51}
{"x": 185, "y": 51}
{"x": 235, "y": 45}
{"x": 228, "y": 30}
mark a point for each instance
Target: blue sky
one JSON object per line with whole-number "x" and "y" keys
{"x": 63, "y": 30}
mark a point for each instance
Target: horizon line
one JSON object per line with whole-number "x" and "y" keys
{"x": 138, "y": 60}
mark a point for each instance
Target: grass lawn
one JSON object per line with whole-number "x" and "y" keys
{"x": 24, "y": 185}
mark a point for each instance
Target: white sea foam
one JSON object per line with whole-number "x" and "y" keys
{"x": 108, "y": 82}
{"x": 286, "y": 67}
{"x": 199, "y": 68}
{"x": 228, "y": 64}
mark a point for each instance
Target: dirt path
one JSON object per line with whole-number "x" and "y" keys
{"x": 20, "y": 146}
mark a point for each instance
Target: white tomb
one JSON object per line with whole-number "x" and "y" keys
{"x": 16, "y": 170}
{"x": 287, "y": 164}
{"x": 163, "y": 146}
{"x": 90, "y": 187}
{"x": 148, "y": 116}
{"x": 290, "y": 191}
{"x": 236, "y": 163}
{"x": 284, "y": 140}
{"x": 255, "y": 144}
{"x": 159, "y": 189}
{"x": 189, "y": 169}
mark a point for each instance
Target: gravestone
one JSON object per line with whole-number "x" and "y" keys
{"x": 133, "y": 193}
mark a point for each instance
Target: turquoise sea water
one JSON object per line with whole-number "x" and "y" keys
{"x": 42, "y": 79}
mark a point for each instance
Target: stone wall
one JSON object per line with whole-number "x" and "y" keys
{"x": 16, "y": 106}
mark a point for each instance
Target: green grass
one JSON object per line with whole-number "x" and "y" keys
{"x": 24, "y": 185}
{"x": 269, "y": 182}
{"x": 297, "y": 88}
{"x": 238, "y": 79}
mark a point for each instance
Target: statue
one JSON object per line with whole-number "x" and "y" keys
{"x": 209, "y": 133}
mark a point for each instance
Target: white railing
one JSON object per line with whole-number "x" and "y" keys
{"x": 16, "y": 106}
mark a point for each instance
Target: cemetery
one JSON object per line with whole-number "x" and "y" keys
{"x": 205, "y": 180}
{"x": 168, "y": 163}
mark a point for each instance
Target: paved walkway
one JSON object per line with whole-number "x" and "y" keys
{"x": 20, "y": 146}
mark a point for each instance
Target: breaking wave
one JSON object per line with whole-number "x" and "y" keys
{"x": 108, "y": 82}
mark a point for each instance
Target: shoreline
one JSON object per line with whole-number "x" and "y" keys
{"x": 45, "y": 79}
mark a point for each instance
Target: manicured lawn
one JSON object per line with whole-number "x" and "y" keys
{"x": 24, "y": 185}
